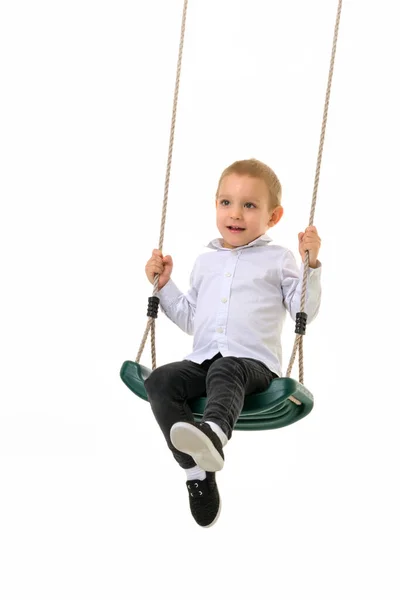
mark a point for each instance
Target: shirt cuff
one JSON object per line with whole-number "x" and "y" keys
{"x": 169, "y": 294}
{"x": 319, "y": 265}
{"x": 313, "y": 274}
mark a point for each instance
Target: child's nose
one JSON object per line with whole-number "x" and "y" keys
{"x": 236, "y": 212}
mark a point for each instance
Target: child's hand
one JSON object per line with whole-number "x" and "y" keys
{"x": 159, "y": 264}
{"x": 310, "y": 240}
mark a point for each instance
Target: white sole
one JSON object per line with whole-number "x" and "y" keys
{"x": 192, "y": 441}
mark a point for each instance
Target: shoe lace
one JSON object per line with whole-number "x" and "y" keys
{"x": 195, "y": 489}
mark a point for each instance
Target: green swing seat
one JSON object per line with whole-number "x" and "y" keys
{"x": 270, "y": 409}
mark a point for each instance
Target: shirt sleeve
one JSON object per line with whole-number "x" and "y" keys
{"x": 178, "y": 307}
{"x": 292, "y": 281}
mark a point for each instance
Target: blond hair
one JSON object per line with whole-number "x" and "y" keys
{"x": 257, "y": 169}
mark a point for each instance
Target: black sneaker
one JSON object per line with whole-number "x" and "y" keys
{"x": 205, "y": 503}
{"x": 200, "y": 442}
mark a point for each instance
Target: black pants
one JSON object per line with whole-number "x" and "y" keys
{"x": 224, "y": 380}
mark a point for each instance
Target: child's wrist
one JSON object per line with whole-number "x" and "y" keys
{"x": 312, "y": 265}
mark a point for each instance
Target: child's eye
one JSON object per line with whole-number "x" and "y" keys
{"x": 247, "y": 203}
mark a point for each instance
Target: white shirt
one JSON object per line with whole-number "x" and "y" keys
{"x": 237, "y": 301}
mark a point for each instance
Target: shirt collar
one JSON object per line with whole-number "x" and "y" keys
{"x": 263, "y": 240}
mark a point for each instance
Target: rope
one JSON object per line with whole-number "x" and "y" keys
{"x": 299, "y": 338}
{"x": 151, "y": 321}
{"x": 298, "y": 343}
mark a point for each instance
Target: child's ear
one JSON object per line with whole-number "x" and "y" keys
{"x": 276, "y": 216}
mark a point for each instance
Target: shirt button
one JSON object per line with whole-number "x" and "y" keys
{"x": 227, "y": 274}
{"x": 224, "y": 300}
{"x": 220, "y": 330}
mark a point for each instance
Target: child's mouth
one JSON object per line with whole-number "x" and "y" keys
{"x": 236, "y": 229}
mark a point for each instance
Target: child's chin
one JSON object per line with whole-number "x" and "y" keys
{"x": 228, "y": 244}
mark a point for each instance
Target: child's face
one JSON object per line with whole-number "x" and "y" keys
{"x": 243, "y": 202}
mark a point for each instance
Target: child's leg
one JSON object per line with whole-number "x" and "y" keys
{"x": 169, "y": 388}
{"x": 229, "y": 380}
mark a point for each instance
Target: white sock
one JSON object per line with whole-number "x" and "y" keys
{"x": 217, "y": 429}
{"x": 195, "y": 473}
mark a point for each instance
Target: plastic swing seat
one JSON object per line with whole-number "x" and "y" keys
{"x": 270, "y": 409}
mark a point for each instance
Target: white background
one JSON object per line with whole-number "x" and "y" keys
{"x": 92, "y": 503}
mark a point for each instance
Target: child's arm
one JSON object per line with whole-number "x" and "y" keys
{"x": 292, "y": 281}
{"x": 180, "y": 308}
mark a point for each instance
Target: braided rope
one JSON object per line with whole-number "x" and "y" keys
{"x": 298, "y": 343}
{"x": 299, "y": 338}
{"x": 151, "y": 321}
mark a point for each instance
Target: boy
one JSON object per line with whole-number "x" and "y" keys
{"x": 235, "y": 309}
